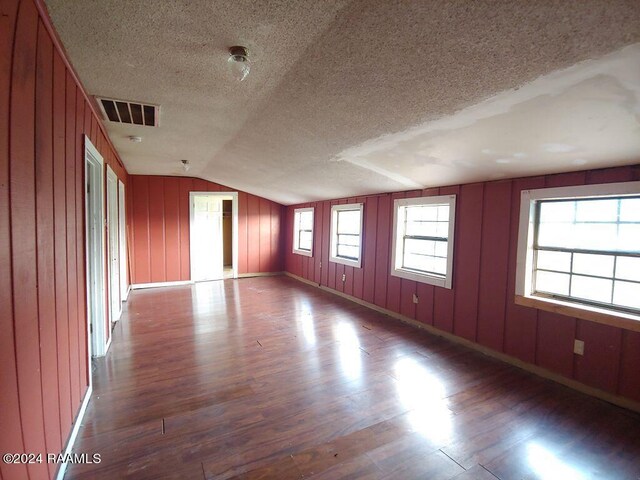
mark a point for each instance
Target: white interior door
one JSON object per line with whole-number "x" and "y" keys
{"x": 94, "y": 234}
{"x": 122, "y": 230}
{"x": 115, "y": 305}
{"x": 206, "y": 237}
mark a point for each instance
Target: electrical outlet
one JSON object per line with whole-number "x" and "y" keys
{"x": 344, "y": 277}
{"x": 415, "y": 298}
{"x": 320, "y": 264}
{"x": 578, "y": 347}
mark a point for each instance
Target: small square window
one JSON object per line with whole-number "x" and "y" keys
{"x": 581, "y": 246}
{"x": 422, "y": 247}
{"x": 303, "y": 231}
{"x": 346, "y": 234}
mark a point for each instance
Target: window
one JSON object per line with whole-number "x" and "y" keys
{"x": 581, "y": 246}
{"x": 422, "y": 248}
{"x": 346, "y": 234}
{"x": 303, "y": 231}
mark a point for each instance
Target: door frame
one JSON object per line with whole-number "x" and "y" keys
{"x": 114, "y": 293}
{"x": 233, "y": 196}
{"x": 122, "y": 215}
{"x": 95, "y": 254}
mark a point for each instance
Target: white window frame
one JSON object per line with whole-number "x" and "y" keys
{"x": 333, "y": 257}
{"x": 445, "y": 281}
{"x": 296, "y": 230}
{"x": 525, "y": 256}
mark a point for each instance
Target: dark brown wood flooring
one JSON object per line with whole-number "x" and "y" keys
{"x": 271, "y": 378}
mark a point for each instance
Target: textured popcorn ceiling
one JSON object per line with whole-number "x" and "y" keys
{"x": 353, "y": 97}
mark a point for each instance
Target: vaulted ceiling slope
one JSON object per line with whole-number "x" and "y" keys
{"x": 353, "y": 97}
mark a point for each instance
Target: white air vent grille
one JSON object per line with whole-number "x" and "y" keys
{"x": 132, "y": 113}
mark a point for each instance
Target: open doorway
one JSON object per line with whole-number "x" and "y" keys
{"x": 113, "y": 238}
{"x": 95, "y": 257}
{"x": 213, "y": 235}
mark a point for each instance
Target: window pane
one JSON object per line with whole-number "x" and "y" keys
{"x": 596, "y": 289}
{"x": 630, "y": 210}
{"x": 348, "y": 251}
{"x": 306, "y": 220}
{"x": 597, "y": 210}
{"x": 349, "y": 221}
{"x": 557, "y": 212}
{"x": 425, "y": 263}
{"x": 595, "y": 236}
{"x": 627, "y": 294}
{"x": 441, "y": 249}
{"x": 425, "y": 229}
{"x": 443, "y": 213}
{"x": 418, "y": 262}
{"x": 418, "y": 213}
{"x": 424, "y": 247}
{"x": 560, "y": 261}
{"x": 555, "y": 235}
{"x": 629, "y": 238}
{"x": 352, "y": 240}
{"x": 628, "y": 268}
{"x": 552, "y": 282}
{"x": 305, "y": 240}
{"x": 600, "y": 265}
{"x": 440, "y": 265}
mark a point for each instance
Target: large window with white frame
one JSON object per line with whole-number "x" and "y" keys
{"x": 580, "y": 247}
{"x": 346, "y": 234}
{"x": 422, "y": 245}
{"x": 303, "y": 231}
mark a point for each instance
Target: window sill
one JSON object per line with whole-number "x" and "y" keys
{"x": 422, "y": 278}
{"x": 345, "y": 261}
{"x": 584, "y": 312}
{"x": 306, "y": 253}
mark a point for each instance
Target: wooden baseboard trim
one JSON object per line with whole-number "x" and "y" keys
{"x": 139, "y": 286}
{"x": 260, "y": 274}
{"x": 62, "y": 469}
{"x": 541, "y": 372}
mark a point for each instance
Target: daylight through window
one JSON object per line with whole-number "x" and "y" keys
{"x": 303, "y": 231}
{"x": 423, "y": 232}
{"x": 346, "y": 234}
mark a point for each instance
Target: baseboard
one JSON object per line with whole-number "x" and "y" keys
{"x": 260, "y": 274}
{"x": 138, "y": 286}
{"x": 106, "y": 349}
{"x": 541, "y": 372}
{"x": 62, "y": 469}
{"x": 126, "y": 295}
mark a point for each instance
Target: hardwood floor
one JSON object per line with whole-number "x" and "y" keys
{"x": 270, "y": 378}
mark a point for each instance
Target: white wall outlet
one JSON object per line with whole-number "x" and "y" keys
{"x": 578, "y": 347}
{"x": 415, "y": 298}
{"x": 344, "y": 277}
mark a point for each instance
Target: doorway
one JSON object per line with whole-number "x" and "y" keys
{"x": 213, "y": 235}
{"x": 95, "y": 258}
{"x": 124, "y": 283}
{"x": 113, "y": 237}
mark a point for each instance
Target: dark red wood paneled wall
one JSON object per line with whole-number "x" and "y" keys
{"x": 158, "y": 222}
{"x": 43, "y": 345}
{"x": 480, "y": 306}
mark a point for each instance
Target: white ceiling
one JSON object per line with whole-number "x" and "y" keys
{"x": 352, "y": 97}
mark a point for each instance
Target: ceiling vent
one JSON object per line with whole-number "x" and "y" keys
{"x": 132, "y": 113}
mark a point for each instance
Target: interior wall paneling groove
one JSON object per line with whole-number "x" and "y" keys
{"x": 480, "y": 307}
{"x": 159, "y": 229}
{"x": 43, "y": 346}
{"x": 45, "y": 238}
{"x": 12, "y": 438}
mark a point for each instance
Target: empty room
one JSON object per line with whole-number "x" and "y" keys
{"x": 336, "y": 239}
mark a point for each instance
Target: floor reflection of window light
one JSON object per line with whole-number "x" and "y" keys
{"x": 424, "y": 395}
{"x": 349, "y": 350}
{"x": 548, "y": 466}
